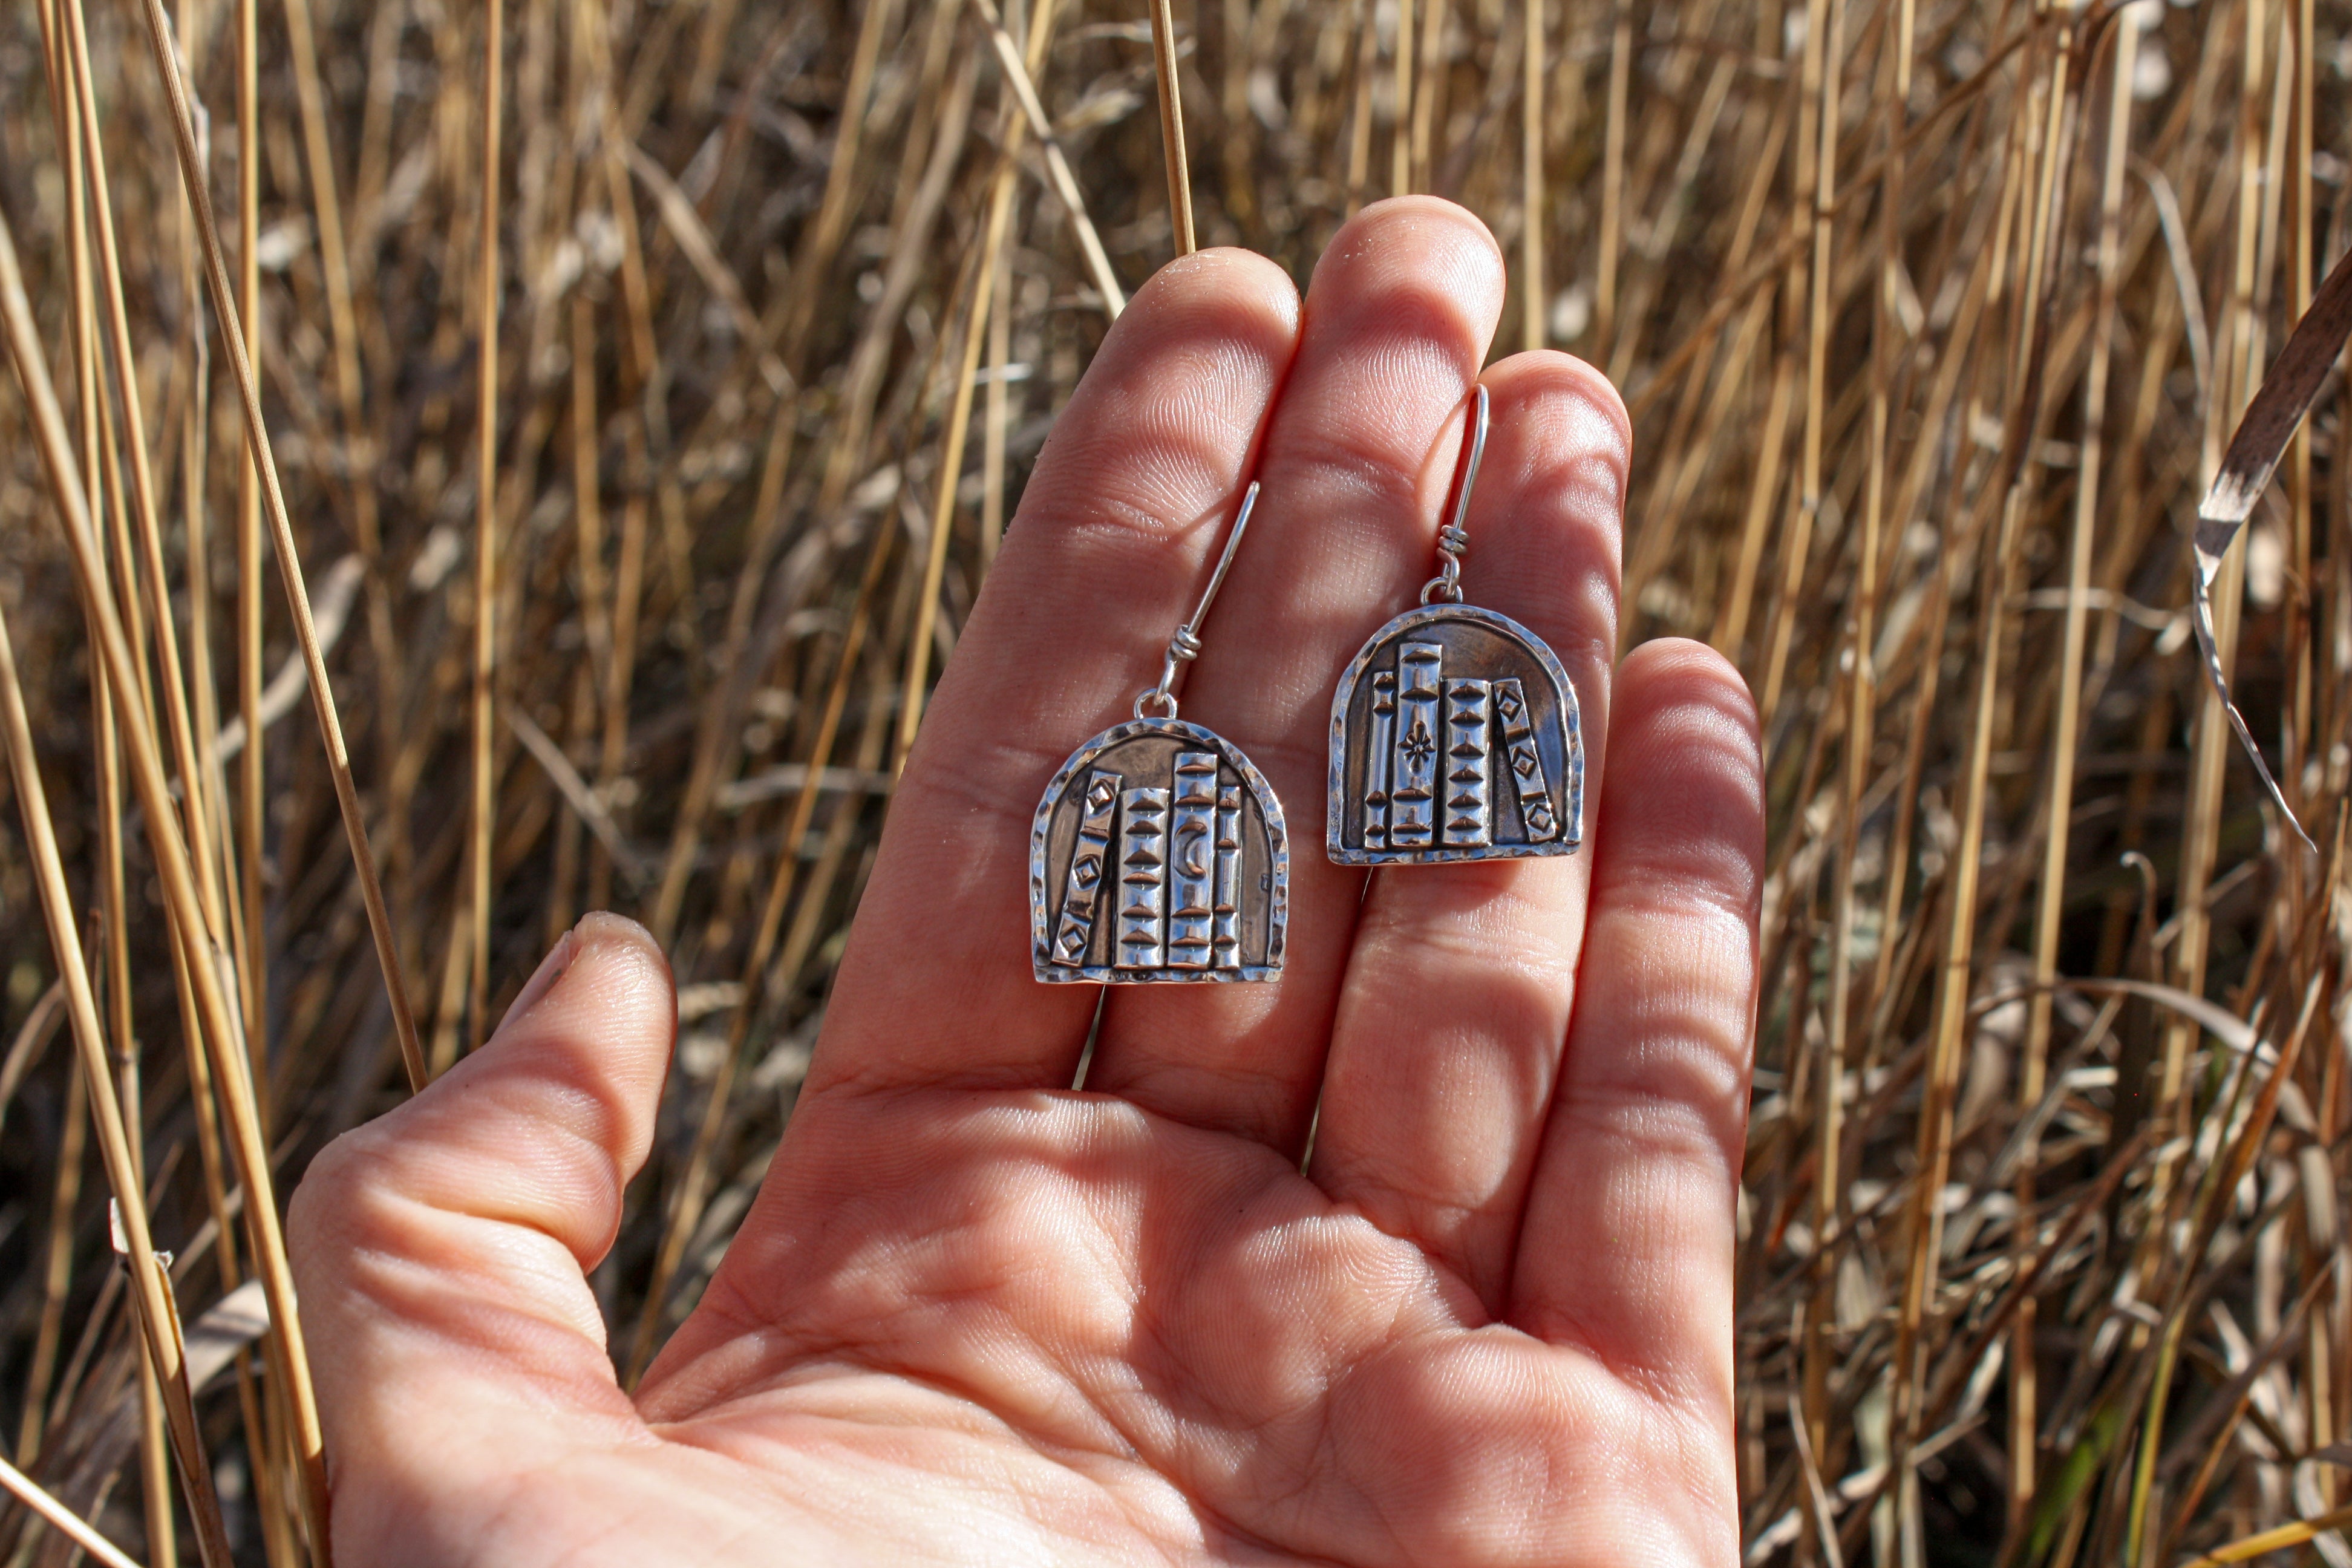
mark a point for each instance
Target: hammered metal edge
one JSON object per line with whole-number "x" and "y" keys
{"x": 1334, "y": 790}
{"x": 1277, "y": 860}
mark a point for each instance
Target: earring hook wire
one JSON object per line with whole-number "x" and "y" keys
{"x": 1454, "y": 538}
{"x": 1185, "y": 645}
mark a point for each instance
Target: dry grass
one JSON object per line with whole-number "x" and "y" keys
{"x": 1933, "y": 339}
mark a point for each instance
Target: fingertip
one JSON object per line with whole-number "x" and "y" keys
{"x": 1224, "y": 277}
{"x": 1422, "y": 222}
{"x": 622, "y": 969}
{"x": 1572, "y": 402}
{"x": 1547, "y": 516}
{"x": 1213, "y": 314}
{"x": 1409, "y": 257}
{"x": 1688, "y": 673}
{"x": 542, "y": 1126}
{"x": 1155, "y": 439}
{"x": 599, "y": 1035}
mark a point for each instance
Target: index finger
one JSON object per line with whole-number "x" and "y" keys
{"x": 1130, "y": 497}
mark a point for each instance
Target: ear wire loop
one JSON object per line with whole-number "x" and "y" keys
{"x": 1184, "y": 645}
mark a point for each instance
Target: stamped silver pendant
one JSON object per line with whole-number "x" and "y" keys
{"x": 1158, "y": 853}
{"x": 1454, "y": 734}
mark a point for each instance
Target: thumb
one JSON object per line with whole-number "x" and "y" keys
{"x": 442, "y": 1250}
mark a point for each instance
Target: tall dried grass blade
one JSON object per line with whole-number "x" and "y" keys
{"x": 1534, "y": 299}
{"x": 289, "y": 564}
{"x": 217, "y": 1030}
{"x": 685, "y": 1212}
{"x": 2264, "y": 1543}
{"x": 156, "y": 1316}
{"x": 1057, "y": 166}
{"x": 64, "y": 1520}
{"x": 1171, "y": 126}
{"x": 483, "y": 816}
{"x": 252, "y": 787}
{"x": 2058, "y": 815}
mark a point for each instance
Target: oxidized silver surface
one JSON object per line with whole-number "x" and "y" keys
{"x": 1157, "y": 854}
{"x": 1454, "y": 736}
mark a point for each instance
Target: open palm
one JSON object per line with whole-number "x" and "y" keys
{"x": 978, "y": 1317}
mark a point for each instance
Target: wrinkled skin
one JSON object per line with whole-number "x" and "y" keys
{"x": 975, "y": 1316}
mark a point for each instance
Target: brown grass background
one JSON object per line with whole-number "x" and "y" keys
{"x": 1933, "y": 316}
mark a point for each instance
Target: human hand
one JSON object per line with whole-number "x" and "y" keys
{"x": 977, "y": 1317}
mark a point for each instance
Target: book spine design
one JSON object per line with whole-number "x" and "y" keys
{"x": 1376, "y": 761}
{"x": 1526, "y": 763}
{"x": 1074, "y": 935}
{"x": 1142, "y": 877}
{"x": 1412, "y": 793}
{"x": 1191, "y": 847}
{"x": 1226, "y": 938}
{"x": 1469, "y": 815}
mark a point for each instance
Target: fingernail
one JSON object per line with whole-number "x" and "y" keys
{"x": 543, "y": 979}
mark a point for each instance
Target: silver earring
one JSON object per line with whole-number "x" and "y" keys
{"x": 1158, "y": 853}
{"x": 1454, "y": 734}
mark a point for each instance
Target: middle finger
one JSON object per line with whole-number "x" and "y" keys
{"x": 1359, "y": 455}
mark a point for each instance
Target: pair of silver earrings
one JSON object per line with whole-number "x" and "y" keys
{"x": 1159, "y": 851}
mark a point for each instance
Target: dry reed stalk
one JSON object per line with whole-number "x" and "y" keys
{"x": 1731, "y": 626}
{"x": 202, "y": 677}
{"x": 482, "y": 817}
{"x": 815, "y": 261}
{"x": 289, "y": 568}
{"x": 587, "y": 499}
{"x": 1400, "y": 100}
{"x": 1172, "y": 125}
{"x": 2051, "y": 895}
{"x": 1057, "y": 166}
{"x": 2328, "y": 1250}
{"x": 57, "y": 1275}
{"x": 996, "y": 411}
{"x": 359, "y": 440}
{"x": 1824, "y": 69}
{"x": 1957, "y": 968}
{"x": 62, "y": 1518}
{"x": 2286, "y": 1537}
{"x": 156, "y": 1469}
{"x": 253, "y": 779}
{"x": 159, "y": 1322}
{"x": 685, "y": 1211}
{"x": 1817, "y": 132}
{"x": 959, "y": 424}
{"x": 1829, "y": 1131}
{"x": 217, "y": 1031}
{"x": 1360, "y": 114}
{"x": 1612, "y": 180}
{"x": 197, "y": 814}
{"x": 1534, "y": 299}
{"x": 1429, "y": 69}
{"x": 2295, "y": 729}
{"x": 155, "y": 1439}
{"x": 56, "y": 1262}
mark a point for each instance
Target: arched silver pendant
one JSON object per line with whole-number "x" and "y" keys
{"x": 1157, "y": 854}
{"x": 1454, "y": 736}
